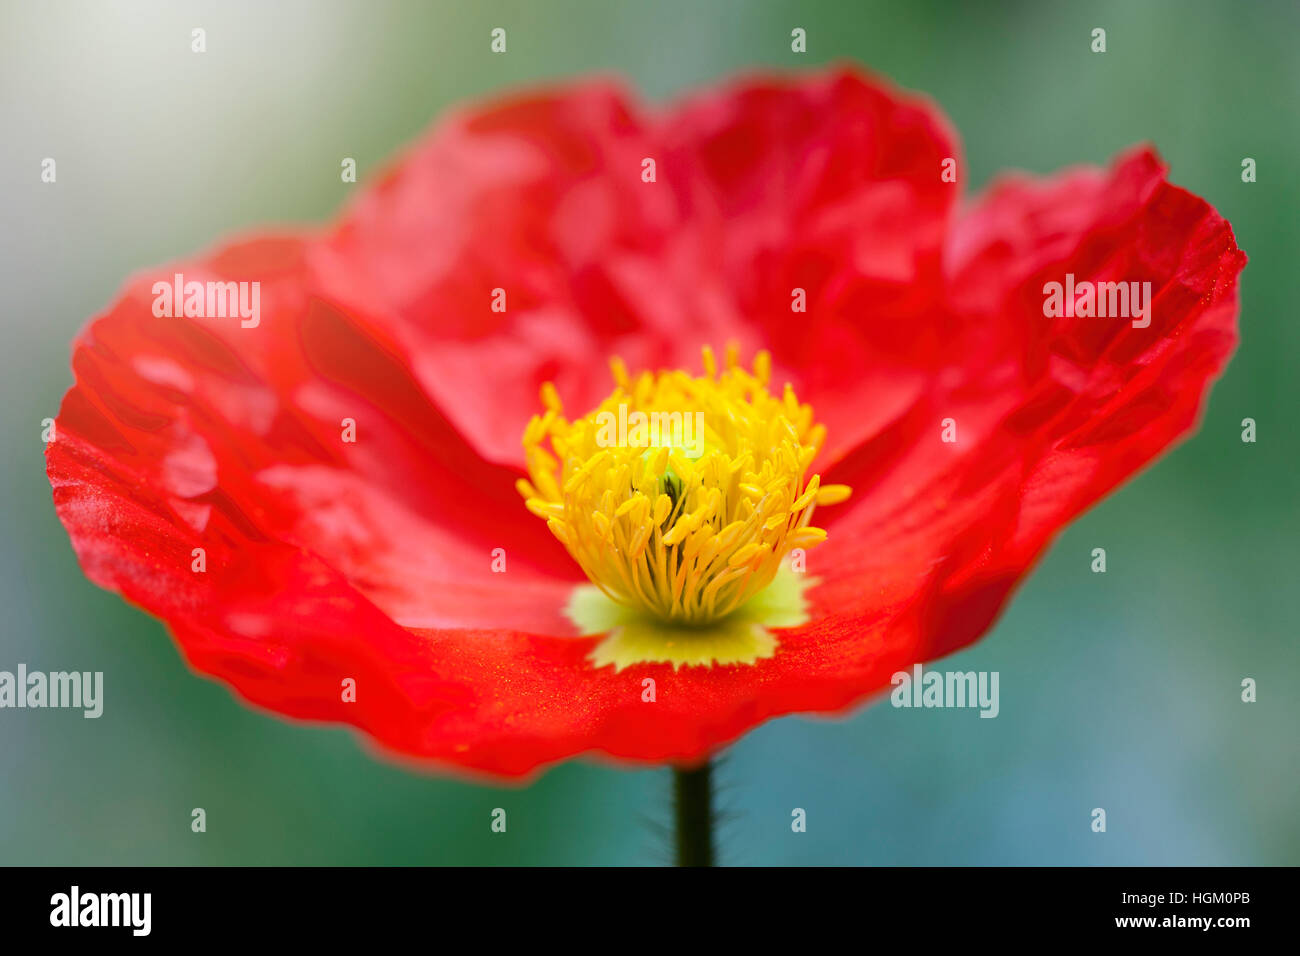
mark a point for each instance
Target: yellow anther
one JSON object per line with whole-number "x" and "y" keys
{"x": 806, "y": 537}
{"x": 544, "y": 509}
{"x": 663, "y": 505}
{"x": 746, "y": 554}
{"x": 710, "y": 363}
{"x": 771, "y": 524}
{"x": 833, "y": 494}
{"x": 680, "y": 530}
{"x": 560, "y": 530}
{"x": 660, "y": 461}
{"x": 809, "y": 495}
{"x": 618, "y": 369}
{"x": 639, "y": 541}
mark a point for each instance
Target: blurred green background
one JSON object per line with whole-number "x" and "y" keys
{"x": 1119, "y": 691}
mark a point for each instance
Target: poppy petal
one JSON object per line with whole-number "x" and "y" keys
{"x": 1049, "y": 413}
{"x": 186, "y": 433}
{"x": 540, "y": 206}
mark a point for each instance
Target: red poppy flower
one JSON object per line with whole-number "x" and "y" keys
{"x": 325, "y": 487}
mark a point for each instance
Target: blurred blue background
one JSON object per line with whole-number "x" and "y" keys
{"x": 1119, "y": 690}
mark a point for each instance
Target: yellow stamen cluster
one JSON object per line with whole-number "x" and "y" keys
{"x": 688, "y": 530}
